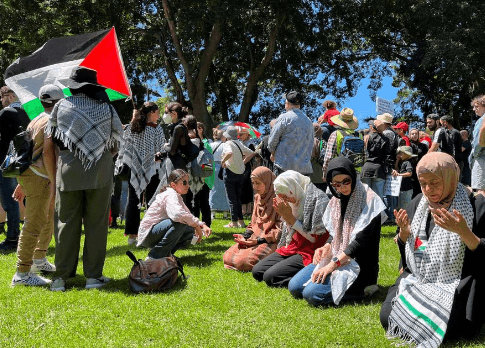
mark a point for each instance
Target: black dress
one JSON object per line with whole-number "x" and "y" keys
{"x": 467, "y": 312}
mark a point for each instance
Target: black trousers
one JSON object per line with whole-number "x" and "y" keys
{"x": 277, "y": 270}
{"x": 201, "y": 205}
{"x": 116, "y": 198}
{"x": 132, "y": 213}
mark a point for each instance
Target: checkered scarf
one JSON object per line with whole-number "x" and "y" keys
{"x": 87, "y": 127}
{"x": 138, "y": 153}
{"x": 421, "y": 309}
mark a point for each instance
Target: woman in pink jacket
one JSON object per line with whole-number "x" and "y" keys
{"x": 168, "y": 224}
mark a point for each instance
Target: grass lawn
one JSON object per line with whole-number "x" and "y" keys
{"x": 215, "y": 307}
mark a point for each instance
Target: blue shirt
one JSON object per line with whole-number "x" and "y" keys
{"x": 291, "y": 139}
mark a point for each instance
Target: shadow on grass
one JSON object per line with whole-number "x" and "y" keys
{"x": 198, "y": 260}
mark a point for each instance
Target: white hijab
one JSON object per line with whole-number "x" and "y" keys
{"x": 293, "y": 184}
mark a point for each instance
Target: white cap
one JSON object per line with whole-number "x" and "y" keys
{"x": 50, "y": 92}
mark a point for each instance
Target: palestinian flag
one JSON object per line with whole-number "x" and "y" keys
{"x": 54, "y": 61}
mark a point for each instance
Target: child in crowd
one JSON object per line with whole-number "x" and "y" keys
{"x": 404, "y": 167}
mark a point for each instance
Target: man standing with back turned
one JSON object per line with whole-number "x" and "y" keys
{"x": 291, "y": 138}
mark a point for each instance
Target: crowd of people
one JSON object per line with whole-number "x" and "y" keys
{"x": 321, "y": 190}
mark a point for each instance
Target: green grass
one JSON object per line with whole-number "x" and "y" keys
{"x": 215, "y": 307}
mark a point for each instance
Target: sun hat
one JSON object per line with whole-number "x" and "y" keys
{"x": 49, "y": 93}
{"x": 401, "y": 125}
{"x": 346, "y": 119}
{"x": 230, "y": 133}
{"x": 407, "y": 150}
{"x": 386, "y": 118}
{"x": 378, "y": 123}
{"x": 82, "y": 76}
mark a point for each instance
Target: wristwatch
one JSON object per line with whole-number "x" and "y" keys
{"x": 336, "y": 260}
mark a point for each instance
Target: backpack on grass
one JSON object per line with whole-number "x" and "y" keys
{"x": 155, "y": 274}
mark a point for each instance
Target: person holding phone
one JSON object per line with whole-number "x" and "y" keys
{"x": 262, "y": 234}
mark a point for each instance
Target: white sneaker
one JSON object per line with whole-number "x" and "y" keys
{"x": 58, "y": 285}
{"x": 95, "y": 283}
{"x": 132, "y": 240}
{"x": 45, "y": 266}
{"x": 30, "y": 279}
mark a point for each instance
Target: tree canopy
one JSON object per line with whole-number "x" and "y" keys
{"x": 229, "y": 59}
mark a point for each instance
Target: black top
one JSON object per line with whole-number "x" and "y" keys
{"x": 456, "y": 137}
{"x": 11, "y": 118}
{"x": 449, "y": 141}
{"x": 467, "y": 145}
{"x": 467, "y": 313}
{"x": 377, "y": 153}
{"x": 406, "y": 183}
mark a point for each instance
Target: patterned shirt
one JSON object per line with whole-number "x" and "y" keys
{"x": 291, "y": 139}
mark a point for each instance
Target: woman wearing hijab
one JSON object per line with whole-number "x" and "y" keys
{"x": 441, "y": 240}
{"x": 262, "y": 234}
{"x": 349, "y": 262}
{"x": 302, "y": 232}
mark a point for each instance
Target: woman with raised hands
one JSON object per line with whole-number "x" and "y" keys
{"x": 439, "y": 293}
{"x": 349, "y": 261}
{"x": 301, "y": 206}
{"x": 262, "y": 235}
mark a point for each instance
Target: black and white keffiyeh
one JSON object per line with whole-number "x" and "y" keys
{"x": 87, "y": 127}
{"x": 422, "y": 307}
{"x": 138, "y": 153}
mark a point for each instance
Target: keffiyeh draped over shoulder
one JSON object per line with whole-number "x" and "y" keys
{"x": 361, "y": 208}
{"x": 87, "y": 127}
{"x": 422, "y": 307}
{"x": 138, "y": 153}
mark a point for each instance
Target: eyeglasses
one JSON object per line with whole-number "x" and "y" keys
{"x": 337, "y": 184}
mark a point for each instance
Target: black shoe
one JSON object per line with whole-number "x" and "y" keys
{"x": 8, "y": 246}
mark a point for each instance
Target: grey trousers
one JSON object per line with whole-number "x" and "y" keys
{"x": 73, "y": 208}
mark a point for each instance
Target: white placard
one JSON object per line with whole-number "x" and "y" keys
{"x": 383, "y": 106}
{"x": 392, "y": 185}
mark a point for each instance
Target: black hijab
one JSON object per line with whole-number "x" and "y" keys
{"x": 337, "y": 166}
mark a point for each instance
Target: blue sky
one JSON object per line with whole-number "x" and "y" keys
{"x": 362, "y": 104}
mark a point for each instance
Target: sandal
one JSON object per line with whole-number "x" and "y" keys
{"x": 241, "y": 224}
{"x": 231, "y": 225}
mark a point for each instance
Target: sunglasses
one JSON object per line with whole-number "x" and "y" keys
{"x": 346, "y": 182}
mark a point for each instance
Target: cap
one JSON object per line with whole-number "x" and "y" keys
{"x": 401, "y": 125}
{"x": 49, "y": 93}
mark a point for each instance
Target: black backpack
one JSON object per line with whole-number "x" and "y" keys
{"x": 19, "y": 156}
{"x": 155, "y": 274}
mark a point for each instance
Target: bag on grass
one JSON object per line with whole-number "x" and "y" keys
{"x": 154, "y": 275}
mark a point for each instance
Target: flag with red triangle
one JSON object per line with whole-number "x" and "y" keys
{"x": 54, "y": 61}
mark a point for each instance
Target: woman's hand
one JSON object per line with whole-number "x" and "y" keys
{"x": 321, "y": 253}
{"x": 394, "y": 173}
{"x": 455, "y": 223}
{"x": 206, "y": 230}
{"x": 402, "y": 221}
{"x": 238, "y": 238}
{"x": 320, "y": 275}
{"x": 198, "y": 232}
{"x": 283, "y": 208}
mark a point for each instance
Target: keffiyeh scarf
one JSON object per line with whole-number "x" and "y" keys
{"x": 363, "y": 206}
{"x": 421, "y": 309}
{"x": 87, "y": 127}
{"x": 138, "y": 153}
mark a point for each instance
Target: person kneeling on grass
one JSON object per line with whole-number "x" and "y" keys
{"x": 168, "y": 224}
{"x": 301, "y": 205}
{"x": 263, "y": 233}
{"x": 349, "y": 262}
